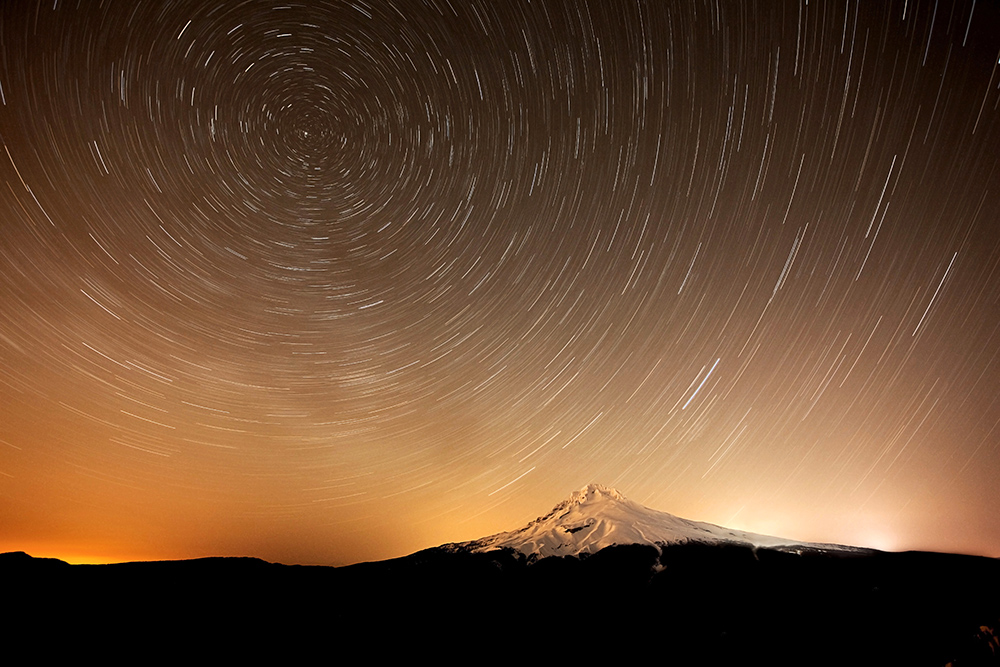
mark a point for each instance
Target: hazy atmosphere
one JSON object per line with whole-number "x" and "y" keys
{"x": 322, "y": 282}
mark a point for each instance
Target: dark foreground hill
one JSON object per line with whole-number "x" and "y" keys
{"x": 681, "y": 604}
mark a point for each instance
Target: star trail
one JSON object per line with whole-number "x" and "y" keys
{"x": 333, "y": 281}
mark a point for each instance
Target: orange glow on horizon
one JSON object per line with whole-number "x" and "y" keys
{"x": 330, "y": 284}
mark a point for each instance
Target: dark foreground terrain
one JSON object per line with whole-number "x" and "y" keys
{"x": 692, "y": 604}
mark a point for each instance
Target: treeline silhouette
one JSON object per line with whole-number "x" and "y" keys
{"x": 687, "y": 604}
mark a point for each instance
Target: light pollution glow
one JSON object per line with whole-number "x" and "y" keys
{"x": 335, "y": 281}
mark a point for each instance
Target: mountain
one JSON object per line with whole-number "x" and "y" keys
{"x": 597, "y": 577}
{"x": 597, "y": 516}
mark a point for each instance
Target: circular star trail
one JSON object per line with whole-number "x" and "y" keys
{"x": 331, "y": 281}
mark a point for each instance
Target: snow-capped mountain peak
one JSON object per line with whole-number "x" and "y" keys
{"x": 597, "y": 516}
{"x": 595, "y": 493}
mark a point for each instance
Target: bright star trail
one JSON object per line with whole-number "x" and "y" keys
{"x": 334, "y": 281}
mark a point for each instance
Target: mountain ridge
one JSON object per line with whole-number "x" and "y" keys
{"x": 598, "y": 516}
{"x": 711, "y": 596}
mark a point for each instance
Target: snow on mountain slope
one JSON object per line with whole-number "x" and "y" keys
{"x": 597, "y": 516}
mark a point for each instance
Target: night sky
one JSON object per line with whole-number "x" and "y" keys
{"x": 323, "y": 282}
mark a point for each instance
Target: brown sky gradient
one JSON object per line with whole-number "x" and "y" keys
{"x": 335, "y": 281}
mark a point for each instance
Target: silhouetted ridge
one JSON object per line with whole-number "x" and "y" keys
{"x": 718, "y": 599}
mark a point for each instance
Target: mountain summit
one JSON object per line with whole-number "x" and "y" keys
{"x": 597, "y": 516}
